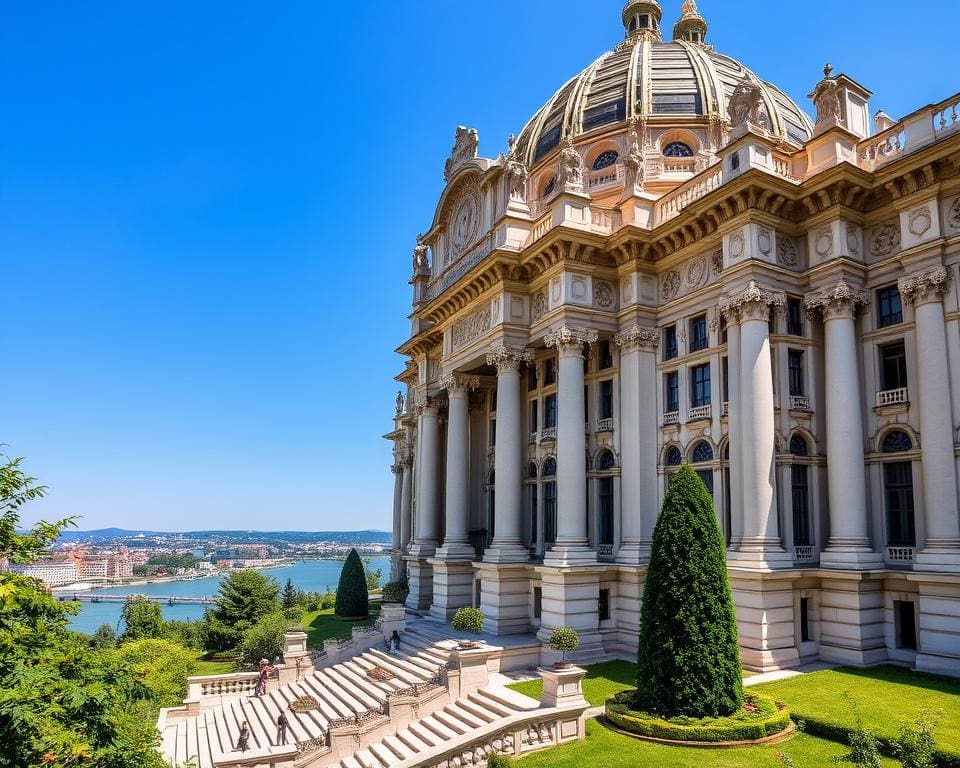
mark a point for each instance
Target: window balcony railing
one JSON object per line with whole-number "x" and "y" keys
{"x": 893, "y": 397}
{"x": 605, "y": 425}
{"x": 700, "y": 412}
{"x": 550, "y": 433}
{"x": 671, "y": 418}
{"x": 804, "y": 554}
{"x": 901, "y": 554}
{"x": 725, "y": 409}
{"x": 604, "y": 176}
{"x": 533, "y": 438}
{"x": 799, "y": 403}
{"x": 605, "y": 551}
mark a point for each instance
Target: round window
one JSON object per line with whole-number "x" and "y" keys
{"x": 605, "y": 160}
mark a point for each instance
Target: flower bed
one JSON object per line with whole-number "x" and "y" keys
{"x": 761, "y": 717}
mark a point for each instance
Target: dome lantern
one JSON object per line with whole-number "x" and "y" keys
{"x": 692, "y": 27}
{"x": 641, "y": 18}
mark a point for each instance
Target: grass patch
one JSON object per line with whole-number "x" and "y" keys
{"x": 207, "y": 666}
{"x": 602, "y": 681}
{"x": 323, "y": 625}
{"x": 612, "y": 750}
{"x": 886, "y": 696}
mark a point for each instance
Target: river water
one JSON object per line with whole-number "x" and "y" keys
{"x": 308, "y": 575}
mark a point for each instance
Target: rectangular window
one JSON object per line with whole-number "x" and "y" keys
{"x": 550, "y": 412}
{"x": 898, "y": 492}
{"x": 606, "y": 356}
{"x": 493, "y": 432}
{"x": 889, "y": 308}
{"x": 606, "y": 399}
{"x": 534, "y": 416}
{"x": 794, "y": 317}
{"x": 698, "y": 334}
{"x": 670, "y": 342}
{"x": 725, "y": 363}
{"x": 534, "y": 530}
{"x": 550, "y": 512}
{"x": 537, "y": 602}
{"x": 549, "y": 371}
{"x": 671, "y": 392}
{"x": 707, "y": 476}
{"x": 531, "y": 378}
{"x": 700, "y": 386}
{"x": 795, "y": 366}
{"x": 804, "y": 619}
{"x": 893, "y": 366}
{"x": 605, "y": 488}
{"x": 906, "y": 625}
{"x": 603, "y": 605}
{"x": 493, "y": 401}
{"x": 800, "y": 491}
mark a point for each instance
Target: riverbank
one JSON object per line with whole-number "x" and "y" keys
{"x": 193, "y": 576}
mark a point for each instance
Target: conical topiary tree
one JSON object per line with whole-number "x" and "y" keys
{"x": 689, "y": 658}
{"x": 352, "y": 597}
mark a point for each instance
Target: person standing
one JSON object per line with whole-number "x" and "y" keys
{"x": 261, "y": 689}
{"x": 282, "y": 724}
{"x": 395, "y": 644}
{"x": 243, "y": 741}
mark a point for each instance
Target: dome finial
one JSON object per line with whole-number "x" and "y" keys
{"x": 641, "y": 19}
{"x": 692, "y": 27}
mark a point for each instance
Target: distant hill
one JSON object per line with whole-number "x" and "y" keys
{"x": 117, "y": 534}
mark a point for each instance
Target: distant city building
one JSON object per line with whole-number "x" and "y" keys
{"x": 52, "y": 573}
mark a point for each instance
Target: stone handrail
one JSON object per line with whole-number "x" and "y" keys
{"x": 670, "y": 205}
{"x": 222, "y": 685}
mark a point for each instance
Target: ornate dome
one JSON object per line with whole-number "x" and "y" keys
{"x": 679, "y": 84}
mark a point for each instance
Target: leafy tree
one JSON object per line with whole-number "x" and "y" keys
{"x": 864, "y": 747}
{"x": 689, "y": 658}
{"x": 264, "y": 640}
{"x": 917, "y": 745}
{"x": 162, "y": 666}
{"x": 374, "y": 577}
{"x": 142, "y": 618}
{"x": 104, "y": 637}
{"x": 62, "y": 704}
{"x": 244, "y": 598}
{"x": 352, "y": 596}
{"x": 185, "y": 633}
{"x": 290, "y": 595}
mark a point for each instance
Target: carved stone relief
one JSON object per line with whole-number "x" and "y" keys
{"x": 737, "y": 245}
{"x": 603, "y": 295}
{"x": 540, "y": 305}
{"x": 853, "y": 240}
{"x": 787, "y": 254}
{"x": 474, "y": 326}
{"x": 465, "y": 146}
{"x": 763, "y": 241}
{"x": 716, "y": 261}
{"x": 885, "y": 239}
{"x": 463, "y": 222}
{"x": 823, "y": 242}
{"x": 954, "y": 216}
{"x": 920, "y": 220}
{"x": 697, "y": 271}
{"x": 671, "y": 285}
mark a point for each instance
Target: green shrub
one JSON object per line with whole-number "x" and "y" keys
{"x": 769, "y": 718}
{"x": 917, "y": 745}
{"x": 468, "y": 620}
{"x": 162, "y": 666}
{"x": 264, "y": 640}
{"x": 564, "y": 641}
{"x": 396, "y": 591}
{"x": 688, "y": 657}
{"x": 499, "y": 761}
{"x": 353, "y": 600}
{"x": 864, "y": 747}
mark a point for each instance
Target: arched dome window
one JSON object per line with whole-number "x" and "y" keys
{"x": 532, "y": 471}
{"x": 798, "y": 446}
{"x": 897, "y": 442}
{"x": 606, "y": 462}
{"x": 551, "y": 185}
{"x": 605, "y": 159}
{"x": 677, "y": 149}
{"x": 550, "y": 468}
{"x": 673, "y": 457}
{"x": 702, "y": 452}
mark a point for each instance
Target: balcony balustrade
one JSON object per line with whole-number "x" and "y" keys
{"x": 893, "y": 397}
{"x": 550, "y": 433}
{"x": 804, "y": 554}
{"x": 671, "y": 418}
{"x": 725, "y": 409}
{"x": 605, "y": 425}
{"x": 900, "y": 554}
{"x": 799, "y": 403}
{"x": 700, "y": 412}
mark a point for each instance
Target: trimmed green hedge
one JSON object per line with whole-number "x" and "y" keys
{"x": 771, "y": 718}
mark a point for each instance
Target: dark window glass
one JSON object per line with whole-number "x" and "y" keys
{"x": 586, "y": 404}
{"x": 605, "y": 489}
{"x": 794, "y": 317}
{"x": 723, "y": 330}
{"x": 678, "y": 104}
{"x": 673, "y": 457}
{"x": 603, "y": 605}
{"x": 798, "y": 446}
{"x": 548, "y": 141}
{"x": 493, "y": 401}
{"x": 700, "y": 386}
{"x": 613, "y": 112}
{"x": 707, "y": 476}
{"x": 493, "y": 432}
{"x": 550, "y": 468}
{"x": 531, "y": 378}
{"x": 532, "y": 471}
{"x": 677, "y": 149}
{"x": 671, "y": 391}
{"x": 644, "y": 21}
{"x": 702, "y": 452}
{"x": 735, "y": 161}
{"x": 728, "y": 512}
{"x": 698, "y": 334}
{"x": 491, "y": 511}
{"x": 550, "y": 412}
{"x": 897, "y": 442}
{"x": 898, "y": 490}
{"x": 805, "y": 619}
{"x": 670, "y": 342}
{"x": 550, "y": 512}
{"x": 893, "y": 366}
{"x": 795, "y": 367}
{"x": 800, "y": 490}
{"x": 534, "y": 532}
{"x": 551, "y": 185}
{"x": 606, "y": 356}
{"x": 606, "y": 462}
{"x": 889, "y": 308}
{"x": 725, "y": 372}
{"x": 606, "y": 399}
{"x": 906, "y": 625}
{"x": 534, "y": 416}
{"x": 537, "y": 602}
{"x": 549, "y": 371}
{"x": 605, "y": 160}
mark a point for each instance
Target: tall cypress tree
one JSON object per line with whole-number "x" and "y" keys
{"x": 352, "y": 596}
{"x": 689, "y": 657}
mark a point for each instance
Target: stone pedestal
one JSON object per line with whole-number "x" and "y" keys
{"x": 765, "y": 619}
{"x": 420, "y": 577}
{"x": 296, "y": 657}
{"x": 452, "y": 587}
{"x": 562, "y": 687}
{"x": 472, "y": 671}
{"x": 570, "y": 598}
{"x": 504, "y": 598}
{"x": 393, "y": 617}
{"x": 852, "y": 619}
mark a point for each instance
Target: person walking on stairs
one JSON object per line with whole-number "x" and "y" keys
{"x": 282, "y": 724}
{"x": 243, "y": 740}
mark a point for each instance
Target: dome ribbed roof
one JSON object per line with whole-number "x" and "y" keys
{"x": 679, "y": 81}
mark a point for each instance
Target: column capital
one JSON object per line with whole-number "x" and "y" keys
{"x": 925, "y": 287}
{"x": 568, "y": 340}
{"x": 840, "y": 300}
{"x": 637, "y": 337}
{"x": 426, "y": 403}
{"x": 508, "y": 358}
{"x": 458, "y": 385}
{"x": 751, "y": 303}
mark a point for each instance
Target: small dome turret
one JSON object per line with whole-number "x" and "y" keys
{"x": 642, "y": 18}
{"x": 692, "y": 27}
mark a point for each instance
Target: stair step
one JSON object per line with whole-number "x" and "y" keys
{"x": 478, "y": 711}
{"x": 425, "y": 735}
{"x": 451, "y": 722}
{"x": 463, "y": 716}
{"x": 349, "y": 762}
{"x": 384, "y": 754}
{"x": 367, "y": 760}
{"x": 413, "y": 742}
{"x": 436, "y": 726}
{"x": 400, "y": 749}
{"x": 491, "y": 705}
{"x": 509, "y": 698}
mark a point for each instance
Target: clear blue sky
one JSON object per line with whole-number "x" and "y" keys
{"x": 207, "y": 211}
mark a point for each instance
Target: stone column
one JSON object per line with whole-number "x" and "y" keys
{"x": 638, "y": 442}
{"x": 941, "y": 550}
{"x": 396, "y": 545}
{"x": 507, "y": 546}
{"x": 456, "y": 544}
{"x": 406, "y": 503}
{"x": 425, "y": 537}
{"x": 849, "y": 543}
{"x": 571, "y": 547}
{"x": 735, "y": 437}
{"x": 760, "y": 544}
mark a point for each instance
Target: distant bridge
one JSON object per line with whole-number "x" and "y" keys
{"x": 91, "y": 597}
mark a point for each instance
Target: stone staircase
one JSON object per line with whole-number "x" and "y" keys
{"x": 372, "y": 710}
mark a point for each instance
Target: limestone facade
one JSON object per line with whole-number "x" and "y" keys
{"x": 674, "y": 264}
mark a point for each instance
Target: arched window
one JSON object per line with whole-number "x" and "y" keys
{"x": 897, "y": 442}
{"x": 606, "y": 462}
{"x": 673, "y": 457}
{"x": 798, "y": 446}
{"x": 551, "y": 185}
{"x": 800, "y": 494}
{"x": 605, "y": 159}
{"x": 677, "y": 149}
{"x": 550, "y": 468}
{"x": 532, "y": 471}
{"x": 702, "y": 452}
{"x": 532, "y": 498}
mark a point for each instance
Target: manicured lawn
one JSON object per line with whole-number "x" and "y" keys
{"x": 205, "y": 667}
{"x": 323, "y": 625}
{"x": 886, "y": 696}
{"x": 602, "y": 682}
{"x": 612, "y": 750}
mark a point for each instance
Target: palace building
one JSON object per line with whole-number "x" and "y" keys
{"x": 673, "y": 264}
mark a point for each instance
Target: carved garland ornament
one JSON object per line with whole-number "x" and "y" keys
{"x": 697, "y": 271}
{"x": 603, "y": 295}
{"x": 752, "y": 303}
{"x": 955, "y": 213}
{"x": 716, "y": 261}
{"x": 671, "y": 285}
{"x": 885, "y": 239}
{"x": 637, "y": 337}
{"x": 540, "y": 305}
{"x": 926, "y": 286}
{"x": 787, "y": 251}
{"x": 464, "y": 223}
{"x": 474, "y": 326}
{"x": 837, "y": 300}
{"x": 853, "y": 242}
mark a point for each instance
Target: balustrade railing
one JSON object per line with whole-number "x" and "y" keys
{"x": 783, "y": 166}
{"x": 234, "y": 684}
{"x": 700, "y": 412}
{"x": 804, "y": 554}
{"x": 883, "y": 148}
{"x": 550, "y": 433}
{"x": 605, "y": 425}
{"x": 901, "y": 554}
{"x": 672, "y": 204}
{"x": 605, "y": 176}
{"x": 459, "y": 268}
{"x": 542, "y": 226}
{"x": 945, "y": 116}
{"x": 533, "y": 438}
{"x": 671, "y": 418}
{"x": 893, "y": 397}
{"x": 725, "y": 409}
{"x": 799, "y": 403}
